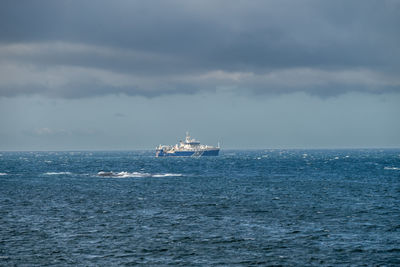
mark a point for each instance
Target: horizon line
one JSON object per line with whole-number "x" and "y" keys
{"x": 228, "y": 149}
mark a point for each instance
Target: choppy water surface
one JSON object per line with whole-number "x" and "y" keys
{"x": 267, "y": 207}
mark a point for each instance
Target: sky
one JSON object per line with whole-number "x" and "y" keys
{"x": 125, "y": 75}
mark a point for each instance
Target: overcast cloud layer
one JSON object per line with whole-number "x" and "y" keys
{"x": 75, "y": 49}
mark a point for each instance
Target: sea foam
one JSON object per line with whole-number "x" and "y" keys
{"x": 58, "y": 173}
{"x": 392, "y": 168}
{"x": 134, "y": 174}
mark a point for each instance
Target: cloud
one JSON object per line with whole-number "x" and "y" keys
{"x": 119, "y": 115}
{"x": 80, "y": 49}
{"x": 60, "y": 132}
{"x": 50, "y": 132}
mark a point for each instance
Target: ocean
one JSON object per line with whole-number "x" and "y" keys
{"x": 242, "y": 208}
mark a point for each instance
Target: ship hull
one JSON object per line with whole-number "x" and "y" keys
{"x": 203, "y": 153}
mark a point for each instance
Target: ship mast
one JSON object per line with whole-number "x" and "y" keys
{"x": 187, "y": 137}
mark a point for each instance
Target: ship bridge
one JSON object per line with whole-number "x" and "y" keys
{"x": 190, "y": 141}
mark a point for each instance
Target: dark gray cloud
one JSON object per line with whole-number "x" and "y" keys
{"x": 79, "y": 49}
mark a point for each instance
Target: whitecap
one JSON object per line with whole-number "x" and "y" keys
{"x": 125, "y": 174}
{"x": 132, "y": 174}
{"x": 3, "y": 173}
{"x": 167, "y": 175}
{"x": 58, "y": 173}
{"x": 392, "y": 168}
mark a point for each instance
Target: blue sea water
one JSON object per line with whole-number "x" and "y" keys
{"x": 243, "y": 208}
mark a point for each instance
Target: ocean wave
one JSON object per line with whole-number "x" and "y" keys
{"x": 2, "y": 173}
{"x": 123, "y": 174}
{"x": 166, "y": 175}
{"x": 57, "y": 173}
{"x": 392, "y": 168}
{"x": 134, "y": 174}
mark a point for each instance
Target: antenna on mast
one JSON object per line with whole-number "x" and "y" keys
{"x": 187, "y": 139}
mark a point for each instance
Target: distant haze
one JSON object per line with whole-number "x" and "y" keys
{"x": 248, "y": 74}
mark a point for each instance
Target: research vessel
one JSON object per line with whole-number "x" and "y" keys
{"x": 188, "y": 148}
